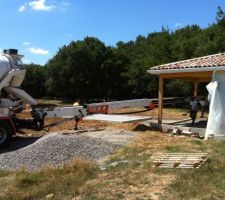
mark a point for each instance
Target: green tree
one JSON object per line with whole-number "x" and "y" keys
{"x": 86, "y": 69}
{"x": 89, "y": 69}
{"x": 34, "y": 82}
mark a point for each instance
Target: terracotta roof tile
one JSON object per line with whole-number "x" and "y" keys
{"x": 214, "y": 60}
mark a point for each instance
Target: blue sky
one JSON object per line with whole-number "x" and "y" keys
{"x": 38, "y": 28}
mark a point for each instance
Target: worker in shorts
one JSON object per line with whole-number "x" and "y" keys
{"x": 193, "y": 108}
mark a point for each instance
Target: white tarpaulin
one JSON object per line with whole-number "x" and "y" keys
{"x": 216, "y": 119}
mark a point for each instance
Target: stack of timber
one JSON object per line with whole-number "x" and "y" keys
{"x": 170, "y": 101}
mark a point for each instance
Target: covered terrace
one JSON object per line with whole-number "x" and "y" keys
{"x": 195, "y": 70}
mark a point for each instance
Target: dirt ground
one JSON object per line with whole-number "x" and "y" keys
{"x": 87, "y": 124}
{"x": 136, "y": 179}
{"x": 134, "y": 187}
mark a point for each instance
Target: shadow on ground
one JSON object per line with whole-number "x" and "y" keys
{"x": 198, "y": 124}
{"x": 19, "y": 142}
{"x": 143, "y": 128}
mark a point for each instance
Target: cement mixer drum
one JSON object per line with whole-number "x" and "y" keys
{"x": 11, "y": 61}
{"x": 5, "y": 66}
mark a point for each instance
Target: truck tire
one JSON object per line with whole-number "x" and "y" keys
{"x": 5, "y": 133}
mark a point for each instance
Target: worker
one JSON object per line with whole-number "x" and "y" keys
{"x": 193, "y": 108}
{"x": 77, "y": 102}
{"x": 204, "y": 105}
{"x": 77, "y": 120}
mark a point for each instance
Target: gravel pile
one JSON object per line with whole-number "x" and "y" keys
{"x": 54, "y": 149}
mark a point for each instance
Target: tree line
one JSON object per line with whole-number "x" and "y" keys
{"x": 89, "y": 69}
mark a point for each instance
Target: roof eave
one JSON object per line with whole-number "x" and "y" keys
{"x": 184, "y": 70}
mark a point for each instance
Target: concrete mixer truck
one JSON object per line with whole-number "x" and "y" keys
{"x": 13, "y": 98}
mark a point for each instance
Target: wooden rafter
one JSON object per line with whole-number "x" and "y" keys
{"x": 189, "y": 75}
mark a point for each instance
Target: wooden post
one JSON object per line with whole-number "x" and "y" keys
{"x": 196, "y": 88}
{"x": 160, "y": 99}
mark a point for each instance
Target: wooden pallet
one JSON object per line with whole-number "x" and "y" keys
{"x": 180, "y": 160}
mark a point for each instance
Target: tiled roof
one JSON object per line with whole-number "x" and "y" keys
{"x": 214, "y": 60}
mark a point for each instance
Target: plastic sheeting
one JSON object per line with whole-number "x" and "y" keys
{"x": 216, "y": 119}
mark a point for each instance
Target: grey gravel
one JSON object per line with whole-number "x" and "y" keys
{"x": 54, "y": 149}
{"x": 119, "y": 137}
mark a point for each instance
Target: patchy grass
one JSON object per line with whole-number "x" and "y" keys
{"x": 208, "y": 182}
{"x": 137, "y": 179}
{"x": 173, "y": 149}
{"x": 127, "y": 174}
{"x": 63, "y": 182}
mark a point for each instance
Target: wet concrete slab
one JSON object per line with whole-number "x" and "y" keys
{"x": 117, "y": 118}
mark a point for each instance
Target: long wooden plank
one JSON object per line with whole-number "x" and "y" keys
{"x": 193, "y": 155}
{"x": 200, "y": 156}
{"x": 179, "y": 121}
{"x": 181, "y": 164}
{"x": 177, "y": 160}
{"x": 180, "y": 167}
{"x": 182, "y": 157}
{"x": 184, "y": 153}
{"x": 196, "y": 158}
{"x": 193, "y": 75}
